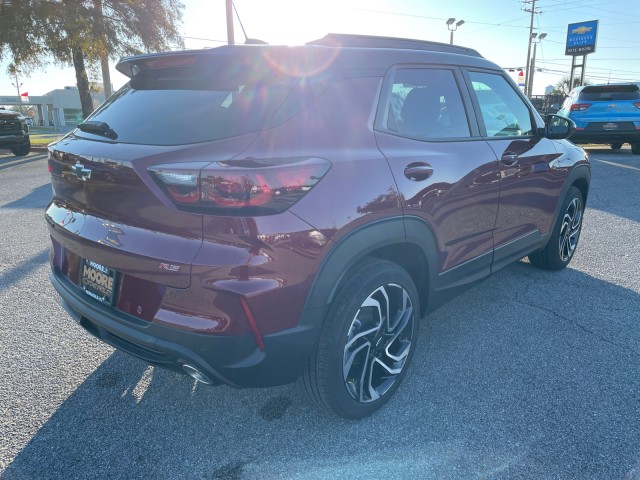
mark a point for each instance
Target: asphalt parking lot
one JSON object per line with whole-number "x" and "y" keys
{"x": 530, "y": 374}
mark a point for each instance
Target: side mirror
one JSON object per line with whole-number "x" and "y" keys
{"x": 557, "y": 127}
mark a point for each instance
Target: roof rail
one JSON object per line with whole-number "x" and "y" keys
{"x": 369, "y": 41}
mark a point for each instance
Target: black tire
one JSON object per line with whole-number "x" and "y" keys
{"x": 635, "y": 148}
{"x": 616, "y": 146}
{"x": 22, "y": 150}
{"x": 355, "y": 341}
{"x": 564, "y": 239}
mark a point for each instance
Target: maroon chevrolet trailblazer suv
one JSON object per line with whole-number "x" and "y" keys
{"x": 250, "y": 214}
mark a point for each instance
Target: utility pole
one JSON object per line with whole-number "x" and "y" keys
{"x": 230, "y": 39}
{"x": 532, "y": 10}
{"x": 535, "y": 42}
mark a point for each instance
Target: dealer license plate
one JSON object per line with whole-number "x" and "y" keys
{"x": 98, "y": 281}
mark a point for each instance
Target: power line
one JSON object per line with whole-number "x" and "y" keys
{"x": 204, "y": 39}
{"x": 411, "y": 15}
{"x": 503, "y": 24}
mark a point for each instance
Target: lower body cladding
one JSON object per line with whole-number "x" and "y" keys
{"x": 235, "y": 360}
{"x": 586, "y": 136}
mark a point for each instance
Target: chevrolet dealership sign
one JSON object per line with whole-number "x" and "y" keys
{"x": 581, "y": 38}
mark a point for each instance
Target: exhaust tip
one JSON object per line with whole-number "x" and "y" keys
{"x": 196, "y": 374}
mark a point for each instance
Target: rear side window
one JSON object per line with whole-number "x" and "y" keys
{"x": 609, "y": 92}
{"x": 426, "y": 103}
{"x": 505, "y": 114}
{"x": 196, "y": 104}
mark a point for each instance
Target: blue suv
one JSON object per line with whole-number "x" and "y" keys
{"x": 608, "y": 114}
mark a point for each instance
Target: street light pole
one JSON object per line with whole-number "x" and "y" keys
{"x": 533, "y": 60}
{"x": 452, "y": 25}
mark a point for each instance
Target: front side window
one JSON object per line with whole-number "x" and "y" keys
{"x": 505, "y": 114}
{"x": 426, "y": 104}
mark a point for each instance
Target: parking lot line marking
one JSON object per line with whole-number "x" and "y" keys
{"x": 617, "y": 164}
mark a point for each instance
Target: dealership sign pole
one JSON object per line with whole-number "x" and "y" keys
{"x": 581, "y": 41}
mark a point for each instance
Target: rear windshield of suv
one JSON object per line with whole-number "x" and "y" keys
{"x": 178, "y": 106}
{"x": 610, "y": 92}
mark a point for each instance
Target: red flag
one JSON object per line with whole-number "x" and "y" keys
{"x": 25, "y": 94}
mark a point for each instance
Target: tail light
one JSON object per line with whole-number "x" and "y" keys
{"x": 245, "y": 187}
{"x": 180, "y": 181}
{"x": 579, "y": 107}
{"x": 636, "y": 104}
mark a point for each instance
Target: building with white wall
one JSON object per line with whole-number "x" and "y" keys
{"x": 57, "y": 108}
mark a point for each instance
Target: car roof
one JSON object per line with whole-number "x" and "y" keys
{"x": 337, "y": 51}
{"x": 343, "y": 40}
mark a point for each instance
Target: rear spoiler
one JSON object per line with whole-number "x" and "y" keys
{"x": 131, "y": 66}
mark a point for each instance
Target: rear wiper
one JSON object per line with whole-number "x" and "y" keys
{"x": 99, "y": 128}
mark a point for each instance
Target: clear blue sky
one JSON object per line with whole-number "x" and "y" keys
{"x": 498, "y": 29}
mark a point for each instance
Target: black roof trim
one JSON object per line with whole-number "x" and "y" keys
{"x": 597, "y": 86}
{"x": 369, "y": 41}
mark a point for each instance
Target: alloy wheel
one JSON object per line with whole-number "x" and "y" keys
{"x": 378, "y": 343}
{"x": 570, "y": 229}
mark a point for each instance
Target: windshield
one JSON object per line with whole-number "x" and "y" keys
{"x": 610, "y": 92}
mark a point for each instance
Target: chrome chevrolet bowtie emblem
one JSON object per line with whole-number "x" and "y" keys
{"x": 80, "y": 172}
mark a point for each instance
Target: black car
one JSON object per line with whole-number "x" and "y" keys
{"x": 14, "y": 133}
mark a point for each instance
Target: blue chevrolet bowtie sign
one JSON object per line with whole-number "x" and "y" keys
{"x": 581, "y": 38}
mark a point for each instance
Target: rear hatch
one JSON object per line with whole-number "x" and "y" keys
{"x": 121, "y": 216}
{"x": 609, "y": 107}
{"x": 121, "y": 181}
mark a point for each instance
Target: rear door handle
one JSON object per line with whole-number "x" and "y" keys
{"x": 418, "y": 171}
{"x": 509, "y": 159}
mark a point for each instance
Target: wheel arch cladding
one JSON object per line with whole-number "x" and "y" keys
{"x": 582, "y": 184}
{"x": 408, "y": 242}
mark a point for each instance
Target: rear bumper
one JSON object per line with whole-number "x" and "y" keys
{"x": 233, "y": 360}
{"x": 10, "y": 141}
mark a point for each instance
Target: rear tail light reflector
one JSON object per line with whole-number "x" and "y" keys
{"x": 580, "y": 107}
{"x": 252, "y": 323}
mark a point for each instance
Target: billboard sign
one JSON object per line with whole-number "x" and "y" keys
{"x": 581, "y": 38}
